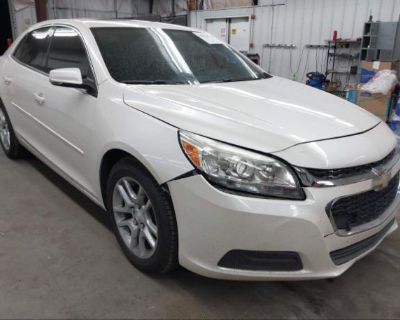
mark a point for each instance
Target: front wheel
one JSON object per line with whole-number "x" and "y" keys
{"x": 143, "y": 218}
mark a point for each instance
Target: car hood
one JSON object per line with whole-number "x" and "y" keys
{"x": 268, "y": 115}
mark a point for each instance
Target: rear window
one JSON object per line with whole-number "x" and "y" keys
{"x": 32, "y": 49}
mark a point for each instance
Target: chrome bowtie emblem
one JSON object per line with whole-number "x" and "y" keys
{"x": 382, "y": 178}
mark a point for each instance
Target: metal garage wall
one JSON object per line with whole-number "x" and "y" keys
{"x": 111, "y": 9}
{"x": 22, "y": 15}
{"x": 167, "y": 7}
{"x": 302, "y": 22}
{"x": 99, "y": 9}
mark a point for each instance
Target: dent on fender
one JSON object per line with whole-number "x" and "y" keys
{"x": 183, "y": 176}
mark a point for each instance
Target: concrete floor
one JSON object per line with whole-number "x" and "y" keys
{"x": 59, "y": 259}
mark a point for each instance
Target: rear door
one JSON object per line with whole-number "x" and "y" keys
{"x": 25, "y": 78}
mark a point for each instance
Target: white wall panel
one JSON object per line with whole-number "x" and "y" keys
{"x": 302, "y": 22}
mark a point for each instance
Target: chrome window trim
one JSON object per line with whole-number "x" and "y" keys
{"x": 373, "y": 177}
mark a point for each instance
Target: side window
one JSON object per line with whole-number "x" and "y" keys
{"x": 68, "y": 51}
{"x": 33, "y": 47}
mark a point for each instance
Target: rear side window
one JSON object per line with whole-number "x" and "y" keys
{"x": 68, "y": 51}
{"x": 33, "y": 48}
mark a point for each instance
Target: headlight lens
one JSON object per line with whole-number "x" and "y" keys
{"x": 239, "y": 169}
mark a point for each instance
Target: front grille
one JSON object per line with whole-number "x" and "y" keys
{"x": 334, "y": 174}
{"x": 355, "y": 210}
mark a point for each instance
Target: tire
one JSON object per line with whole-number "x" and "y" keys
{"x": 8, "y": 140}
{"x": 140, "y": 216}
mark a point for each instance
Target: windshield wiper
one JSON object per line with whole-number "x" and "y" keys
{"x": 231, "y": 80}
{"x": 264, "y": 75}
{"x": 150, "y": 82}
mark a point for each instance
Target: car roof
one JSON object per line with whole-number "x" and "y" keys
{"x": 125, "y": 23}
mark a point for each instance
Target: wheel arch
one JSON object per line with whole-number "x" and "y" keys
{"x": 109, "y": 159}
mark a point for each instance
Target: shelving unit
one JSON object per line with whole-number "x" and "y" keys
{"x": 342, "y": 61}
{"x": 381, "y": 41}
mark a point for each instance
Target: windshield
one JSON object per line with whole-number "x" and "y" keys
{"x": 170, "y": 56}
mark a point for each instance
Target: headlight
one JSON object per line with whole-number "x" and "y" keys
{"x": 239, "y": 169}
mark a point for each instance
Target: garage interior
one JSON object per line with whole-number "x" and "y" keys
{"x": 59, "y": 258}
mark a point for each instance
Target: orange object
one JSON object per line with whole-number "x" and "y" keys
{"x": 192, "y": 152}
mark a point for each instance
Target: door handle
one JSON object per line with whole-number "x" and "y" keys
{"x": 7, "y": 80}
{"x": 39, "y": 97}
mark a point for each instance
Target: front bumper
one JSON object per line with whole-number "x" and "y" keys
{"x": 212, "y": 222}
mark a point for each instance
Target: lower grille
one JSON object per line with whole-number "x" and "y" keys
{"x": 355, "y": 210}
{"x": 261, "y": 260}
{"x": 348, "y": 253}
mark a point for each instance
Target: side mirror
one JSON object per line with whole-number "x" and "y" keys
{"x": 72, "y": 78}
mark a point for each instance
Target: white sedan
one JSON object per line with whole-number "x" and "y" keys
{"x": 199, "y": 156}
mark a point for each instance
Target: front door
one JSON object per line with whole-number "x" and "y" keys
{"x": 67, "y": 113}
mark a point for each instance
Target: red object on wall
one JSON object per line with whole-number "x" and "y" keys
{"x": 9, "y": 42}
{"x": 334, "y": 35}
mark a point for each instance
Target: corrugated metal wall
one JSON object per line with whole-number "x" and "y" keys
{"x": 22, "y": 15}
{"x": 100, "y": 9}
{"x": 302, "y": 22}
{"x": 111, "y": 9}
{"x": 23, "y": 12}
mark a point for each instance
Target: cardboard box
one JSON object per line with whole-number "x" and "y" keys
{"x": 378, "y": 65}
{"x": 369, "y": 68}
{"x": 191, "y": 5}
{"x": 376, "y": 103}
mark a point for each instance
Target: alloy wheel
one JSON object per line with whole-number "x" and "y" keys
{"x": 4, "y": 131}
{"x": 134, "y": 217}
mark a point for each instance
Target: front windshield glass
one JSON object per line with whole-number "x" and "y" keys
{"x": 170, "y": 56}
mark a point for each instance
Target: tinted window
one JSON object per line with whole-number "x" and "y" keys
{"x": 68, "y": 51}
{"x": 134, "y": 54}
{"x": 211, "y": 62}
{"x": 154, "y": 55}
{"x": 33, "y": 48}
